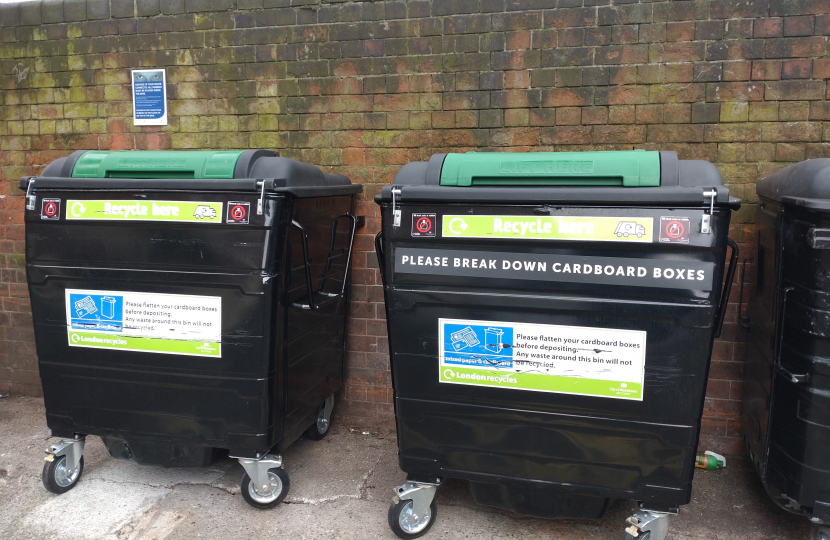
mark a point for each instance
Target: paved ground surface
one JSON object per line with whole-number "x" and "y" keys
{"x": 340, "y": 489}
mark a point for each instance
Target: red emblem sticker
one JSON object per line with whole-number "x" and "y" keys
{"x": 238, "y": 212}
{"x": 50, "y": 209}
{"x": 423, "y": 225}
{"x": 674, "y": 229}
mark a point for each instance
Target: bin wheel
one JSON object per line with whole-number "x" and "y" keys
{"x": 821, "y": 532}
{"x": 402, "y": 523}
{"x": 320, "y": 427}
{"x": 55, "y": 478}
{"x": 643, "y": 536}
{"x": 279, "y": 490}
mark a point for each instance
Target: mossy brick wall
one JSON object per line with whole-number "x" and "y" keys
{"x": 362, "y": 88}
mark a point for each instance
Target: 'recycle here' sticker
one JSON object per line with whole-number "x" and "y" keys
{"x": 596, "y": 228}
{"x": 132, "y": 210}
{"x": 145, "y": 322}
{"x": 579, "y": 360}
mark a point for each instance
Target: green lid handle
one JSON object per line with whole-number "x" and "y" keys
{"x": 635, "y": 168}
{"x": 157, "y": 164}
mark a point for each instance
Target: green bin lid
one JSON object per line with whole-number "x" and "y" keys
{"x": 156, "y": 164}
{"x": 637, "y": 168}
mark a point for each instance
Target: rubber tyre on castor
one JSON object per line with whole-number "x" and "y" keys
{"x": 400, "y": 525}
{"x": 643, "y": 536}
{"x": 821, "y": 532}
{"x": 320, "y": 427}
{"x": 54, "y": 477}
{"x": 279, "y": 483}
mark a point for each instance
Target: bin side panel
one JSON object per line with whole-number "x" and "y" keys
{"x": 762, "y": 312}
{"x": 315, "y": 338}
{"x": 798, "y": 465}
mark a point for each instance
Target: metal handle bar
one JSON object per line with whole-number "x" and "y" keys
{"x": 743, "y": 321}
{"x": 724, "y": 299}
{"x": 307, "y": 264}
{"x": 795, "y": 378}
{"x": 380, "y": 256}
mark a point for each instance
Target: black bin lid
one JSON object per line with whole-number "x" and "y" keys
{"x": 804, "y": 184}
{"x": 669, "y": 181}
{"x": 219, "y": 170}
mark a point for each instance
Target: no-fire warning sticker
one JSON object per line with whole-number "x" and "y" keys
{"x": 238, "y": 212}
{"x": 51, "y": 209}
{"x": 423, "y": 225}
{"x": 674, "y": 229}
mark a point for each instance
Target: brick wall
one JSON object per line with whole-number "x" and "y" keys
{"x": 363, "y": 87}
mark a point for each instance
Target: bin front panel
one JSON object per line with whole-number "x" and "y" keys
{"x": 107, "y": 289}
{"x": 150, "y": 230}
{"x": 522, "y": 366}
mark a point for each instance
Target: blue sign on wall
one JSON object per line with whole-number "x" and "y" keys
{"x": 149, "y": 97}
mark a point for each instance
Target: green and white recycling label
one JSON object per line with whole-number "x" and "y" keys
{"x": 132, "y": 210}
{"x": 596, "y": 228}
{"x": 145, "y": 322}
{"x": 579, "y": 360}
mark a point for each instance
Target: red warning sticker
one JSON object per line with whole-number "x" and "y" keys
{"x": 423, "y": 225}
{"x": 674, "y": 229}
{"x": 238, "y": 212}
{"x": 50, "y": 209}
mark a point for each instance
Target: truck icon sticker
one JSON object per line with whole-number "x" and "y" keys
{"x": 202, "y": 212}
{"x": 627, "y": 228}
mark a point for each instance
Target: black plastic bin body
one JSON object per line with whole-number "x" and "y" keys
{"x": 786, "y": 415}
{"x": 245, "y": 271}
{"x": 554, "y": 454}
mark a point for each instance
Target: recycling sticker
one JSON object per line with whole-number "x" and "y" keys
{"x": 579, "y": 360}
{"x": 132, "y": 210}
{"x": 596, "y": 228}
{"x": 145, "y": 322}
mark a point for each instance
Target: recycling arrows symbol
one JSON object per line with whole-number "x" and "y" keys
{"x": 77, "y": 209}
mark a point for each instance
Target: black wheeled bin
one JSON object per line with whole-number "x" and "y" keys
{"x": 786, "y": 412}
{"x": 188, "y": 303}
{"x": 551, "y": 318}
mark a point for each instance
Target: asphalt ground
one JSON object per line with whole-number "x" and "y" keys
{"x": 341, "y": 488}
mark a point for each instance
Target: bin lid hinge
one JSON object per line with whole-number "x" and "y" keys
{"x": 706, "y": 220}
{"x": 259, "y": 203}
{"x": 31, "y": 198}
{"x": 396, "y": 212}
{"x": 265, "y": 183}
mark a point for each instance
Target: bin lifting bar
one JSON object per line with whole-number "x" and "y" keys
{"x": 396, "y": 212}
{"x": 307, "y": 264}
{"x": 706, "y": 221}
